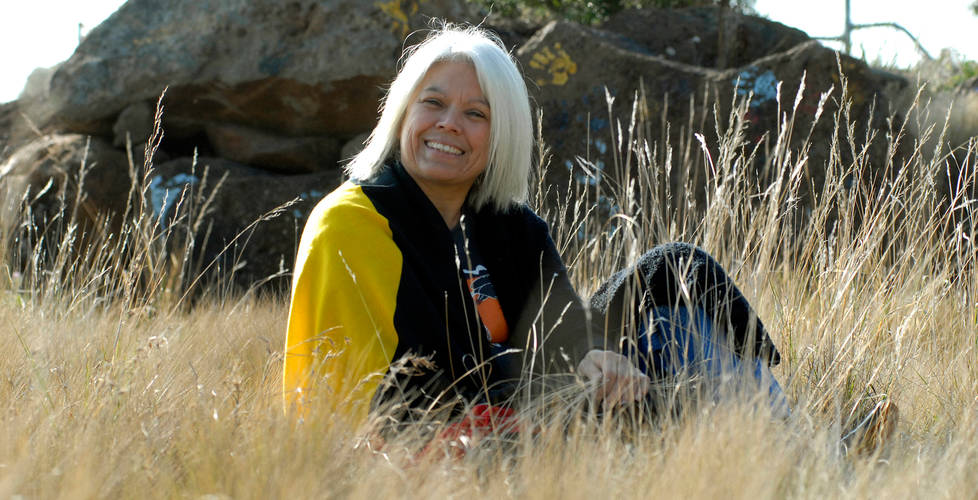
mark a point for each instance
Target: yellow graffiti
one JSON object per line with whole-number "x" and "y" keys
{"x": 557, "y": 63}
{"x": 400, "y": 12}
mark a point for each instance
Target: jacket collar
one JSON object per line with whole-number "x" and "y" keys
{"x": 395, "y": 176}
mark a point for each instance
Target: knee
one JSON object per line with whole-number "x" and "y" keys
{"x": 677, "y": 251}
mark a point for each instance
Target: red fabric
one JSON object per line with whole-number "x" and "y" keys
{"x": 482, "y": 420}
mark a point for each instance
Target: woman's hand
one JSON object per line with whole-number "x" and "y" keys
{"x": 618, "y": 381}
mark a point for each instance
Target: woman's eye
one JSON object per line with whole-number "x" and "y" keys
{"x": 431, "y": 101}
{"x": 477, "y": 114}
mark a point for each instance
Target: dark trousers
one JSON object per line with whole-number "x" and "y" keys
{"x": 680, "y": 314}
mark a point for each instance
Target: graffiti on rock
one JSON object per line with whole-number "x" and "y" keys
{"x": 400, "y": 12}
{"x": 556, "y": 63}
{"x": 313, "y": 195}
{"x": 163, "y": 195}
{"x": 763, "y": 86}
{"x": 598, "y": 137}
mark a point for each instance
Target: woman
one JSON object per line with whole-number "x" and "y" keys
{"x": 427, "y": 279}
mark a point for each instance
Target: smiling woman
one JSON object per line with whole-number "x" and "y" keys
{"x": 445, "y": 136}
{"x": 425, "y": 281}
{"x": 436, "y": 202}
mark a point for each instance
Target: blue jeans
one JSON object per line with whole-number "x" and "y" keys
{"x": 677, "y": 343}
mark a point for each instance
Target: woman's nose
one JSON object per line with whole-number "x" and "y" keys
{"x": 449, "y": 120}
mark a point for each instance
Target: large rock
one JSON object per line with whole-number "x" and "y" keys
{"x": 275, "y": 87}
{"x": 45, "y": 173}
{"x": 32, "y": 111}
{"x": 303, "y": 67}
{"x": 273, "y": 152}
{"x": 513, "y": 32}
{"x": 575, "y": 69}
{"x": 8, "y": 111}
{"x": 40, "y": 195}
{"x": 237, "y": 234}
{"x": 691, "y": 35}
{"x": 134, "y": 124}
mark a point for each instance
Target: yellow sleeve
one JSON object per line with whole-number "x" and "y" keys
{"x": 341, "y": 337}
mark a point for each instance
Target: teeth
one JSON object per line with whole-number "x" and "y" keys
{"x": 444, "y": 148}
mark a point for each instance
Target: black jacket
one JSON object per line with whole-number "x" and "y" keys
{"x": 415, "y": 321}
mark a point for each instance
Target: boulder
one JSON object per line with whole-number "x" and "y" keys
{"x": 39, "y": 186}
{"x": 574, "y": 70}
{"x": 38, "y": 83}
{"x": 299, "y": 68}
{"x": 353, "y": 146}
{"x": 512, "y": 32}
{"x": 34, "y": 111}
{"x": 46, "y": 173}
{"x": 823, "y": 70}
{"x": 236, "y": 233}
{"x": 272, "y": 152}
{"x": 8, "y": 113}
{"x": 265, "y": 88}
{"x": 690, "y": 35}
{"x": 134, "y": 124}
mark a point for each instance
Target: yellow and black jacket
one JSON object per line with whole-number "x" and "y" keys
{"x": 377, "y": 285}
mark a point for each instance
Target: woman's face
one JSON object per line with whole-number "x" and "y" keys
{"x": 444, "y": 137}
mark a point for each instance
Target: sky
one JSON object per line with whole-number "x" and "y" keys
{"x": 938, "y": 24}
{"x": 41, "y": 33}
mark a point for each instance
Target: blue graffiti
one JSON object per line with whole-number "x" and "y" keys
{"x": 594, "y": 124}
{"x": 597, "y": 124}
{"x": 763, "y": 86}
{"x": 163, "y": 194}
{"x": 562, "y": 118}
{"x": 312, "y": 194}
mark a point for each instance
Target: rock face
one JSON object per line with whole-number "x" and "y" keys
{"x": 573, "y": 71}
{"x": 300, "y": 68}
{"x": 272, "y": 96}
{"x": 577, "y": 69}
{"x": 265, "y": 91}
{"x": 690, "y": 36}
{"x": 39, "y": 184}
{"x": 241, "y": 235}
{"x": 46, "y": 170}
{"x": 7, "y": 115}
{"x": 276, "y": 153}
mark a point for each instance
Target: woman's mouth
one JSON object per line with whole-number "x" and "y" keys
{"x": 444, "y": 148}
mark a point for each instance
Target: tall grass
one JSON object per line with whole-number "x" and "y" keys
{"x": 113, "y": 387}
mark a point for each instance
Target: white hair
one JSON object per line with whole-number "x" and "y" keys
{"x": 505, "y": 181}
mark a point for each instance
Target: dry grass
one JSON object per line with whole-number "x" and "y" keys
{"x": 114, "y": 387}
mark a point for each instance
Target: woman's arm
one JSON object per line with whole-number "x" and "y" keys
{"x": 341, "y": 337}
{"x": 564, "y": 335}
{"x": 556, "y": 327}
